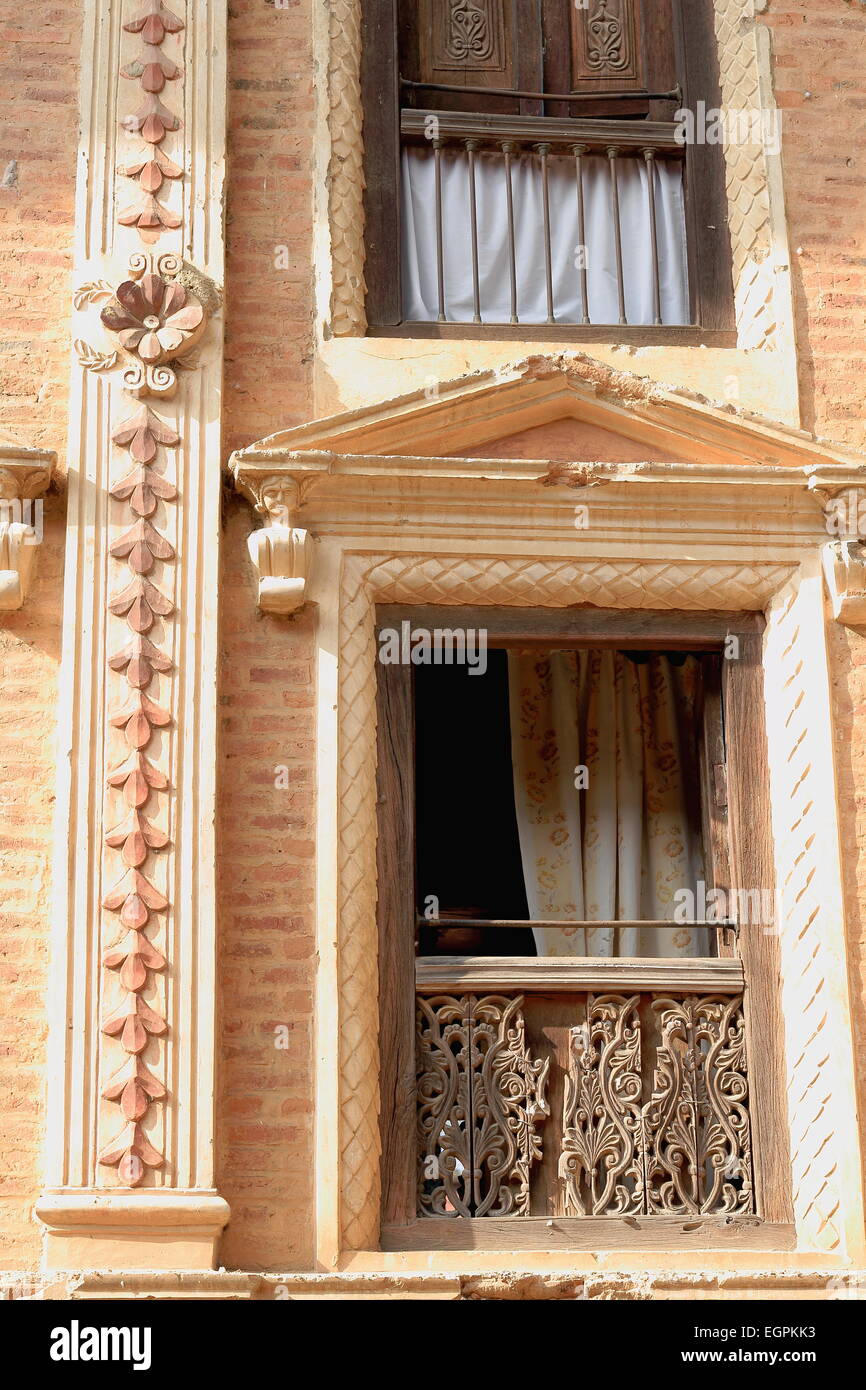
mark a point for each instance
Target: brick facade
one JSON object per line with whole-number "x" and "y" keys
{"x": 266, "y": 694}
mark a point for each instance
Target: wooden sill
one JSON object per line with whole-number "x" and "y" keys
{"x": 638, "y": 1234}
{"x": 643, "y": 335}
{"x": 569, "y": 974}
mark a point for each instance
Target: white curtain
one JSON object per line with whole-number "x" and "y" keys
{"x": 420, "y": 285}
{"x": 620, "y": 847}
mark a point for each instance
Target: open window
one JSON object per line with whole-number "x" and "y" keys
{"x": 523, "y": 168}
{"x": 579, "y": 1027}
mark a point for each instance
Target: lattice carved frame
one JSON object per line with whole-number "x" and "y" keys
{"x": 368, "y": 579}
{"x": 756, "y": 210}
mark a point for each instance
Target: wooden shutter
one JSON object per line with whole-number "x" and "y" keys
{"x": 605, "y": 46}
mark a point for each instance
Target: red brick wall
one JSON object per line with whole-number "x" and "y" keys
{"x": 269, "y": 316}
{"x": 29, "y": 656}
{"x": 266, "y": 920}
{"x": 820, "y": 49}
{"x": 266, "y": 709}
{"x": 39, "y": 48}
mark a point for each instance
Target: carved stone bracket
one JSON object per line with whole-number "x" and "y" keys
{"x": 280, "y": 551}
{"x": 24, "y": 476}
{"x": 281, "y": 557}
{"x": 845, "y": 573}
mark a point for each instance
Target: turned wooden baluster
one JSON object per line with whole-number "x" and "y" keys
{"x": 507, "y": 150}
{"x": 440, "y": 247}
{"x": 649, "y": 156}
{"x": 471, "y": 147}
{"x": 544, "y": 151}
{"x": 612, "y": 153}
{"x": 579, "y": 151}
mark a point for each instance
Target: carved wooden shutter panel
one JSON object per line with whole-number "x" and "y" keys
{"x": 685, "y": 1149}
{"x": 480, "y": 1098}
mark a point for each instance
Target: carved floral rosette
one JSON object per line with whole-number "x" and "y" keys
{"x": 156, "y": 320}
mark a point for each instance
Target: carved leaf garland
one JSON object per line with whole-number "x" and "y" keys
{"x": 142, "y": 546}
{"x": 152, "y": 70}
{"x": 133, "y": 1087}
{"x": 153, "y": 22}
{"x": 139, "y": 659}
{"x": 143, "y": 488}
{"x": 137, "y": 778}
{"x": 131, "y": 1152}
{"x": 135, "y": 899}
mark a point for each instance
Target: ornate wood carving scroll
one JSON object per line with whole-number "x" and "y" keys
{"x": 469, "y": 35}
{"x": 698, "y": 1155}
{"x": 600, "y": 1163}
{"x": 480, "y": 1099}
{"x": 687, "y": 1148}
{"x": 606, "y": 45}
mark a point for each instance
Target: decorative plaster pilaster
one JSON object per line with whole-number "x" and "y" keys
{"x": 133, "y": 1047}
{"x": 346, "y": 169}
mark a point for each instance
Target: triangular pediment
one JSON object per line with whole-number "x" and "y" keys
{"x": 566, "y": 408}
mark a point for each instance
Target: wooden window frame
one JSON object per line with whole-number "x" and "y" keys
{"x": 751, "y": 863}
{"x": 708, "y": 250}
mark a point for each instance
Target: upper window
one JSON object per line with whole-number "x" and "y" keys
{"x": 524, "y": 171}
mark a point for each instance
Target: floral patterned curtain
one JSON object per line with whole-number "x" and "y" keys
{"x": 604, "y": 750}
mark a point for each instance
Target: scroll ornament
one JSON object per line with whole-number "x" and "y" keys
{"x": 481, "y": 1098}
{"x": 156, "y": 321}
{"x": 684, "y": 1150}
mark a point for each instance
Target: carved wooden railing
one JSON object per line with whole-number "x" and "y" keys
{"x": 652, "y": 1110}
{"x": 543, "y": 138}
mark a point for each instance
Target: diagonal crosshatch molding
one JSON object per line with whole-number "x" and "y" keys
{"x": 129, "y": 1155}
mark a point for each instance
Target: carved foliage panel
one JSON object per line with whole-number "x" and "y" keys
{"x": 683, "y": 1148}
{"x": 465, "y": 36}
{"x": 606, "y": 45}
{"x": 480, "y": 1099}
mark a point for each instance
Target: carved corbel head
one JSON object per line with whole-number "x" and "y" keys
{"x": 845, "y": 574}
{"x": 24, "y": 477}
{"x": 281, "y": 552}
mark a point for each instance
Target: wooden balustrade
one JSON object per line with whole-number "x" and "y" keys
{"x": 595, "y": 1103}
{"x": 544, "y": 138}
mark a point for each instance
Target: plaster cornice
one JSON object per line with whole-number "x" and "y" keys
{"x": 483, "y": 406}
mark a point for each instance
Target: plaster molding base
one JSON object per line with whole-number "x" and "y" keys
{"x": 529, "y": 1283}
{"x": 165, "y": 1230}
{"x": 281, "y": 558}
